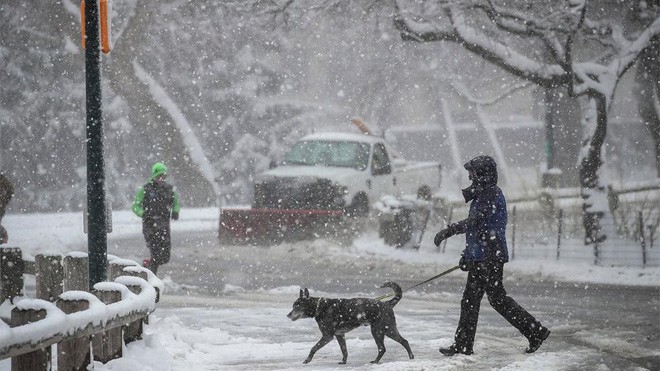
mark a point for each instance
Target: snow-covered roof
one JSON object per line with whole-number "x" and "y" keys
{"x": 348, "y": 137}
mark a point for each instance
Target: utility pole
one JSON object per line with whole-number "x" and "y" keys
{"x": 97, "y": 238}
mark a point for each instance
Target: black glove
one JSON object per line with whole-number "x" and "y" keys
{"x": 465, "y": 266}
{"x": 442, "y": 235}
{"x": 175, "y": 216}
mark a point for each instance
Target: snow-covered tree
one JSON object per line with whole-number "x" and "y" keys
{"x": 564, "y": 43}
{"x": 648, "y": 92}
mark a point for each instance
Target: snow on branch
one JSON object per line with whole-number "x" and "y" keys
{"x": 515, "y": 21}
{"x": 415, "y": 27}
{"x": 514, "y": 61}
{"x": 628, "y": 55}
{"x": 72, "y": 8}
{"x": 603, "y": 78}
{"x": 195, "y": 148}
{"x": 462, "y": 90}
{"x": 457, "y": 30}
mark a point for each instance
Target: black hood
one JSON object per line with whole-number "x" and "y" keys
{"x": 485, "y": 175}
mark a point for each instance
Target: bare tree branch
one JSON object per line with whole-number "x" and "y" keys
{"x": 476, "y": 41}
{"x": 462, "y": 90}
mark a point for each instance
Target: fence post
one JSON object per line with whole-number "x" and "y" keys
{"x": 38, "y": 360}
{"x": 560, "y": 222}
{"x": 652, "y": 229}
{"x": 116, "y": 269}
{"x": 595, "y": 252}
{"x": 76, "y": 271}
{"x": 49, "y": 276}
{"x": 513, "y": 233}
{"x": 73, "y": 354}
{"x": 106, "y": 346}
{"x": 133, "y": 331}
{"x": 641, "y": 238}
{"x": 11, "y": 273}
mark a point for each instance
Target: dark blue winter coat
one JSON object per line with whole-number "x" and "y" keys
{"x": 485, "y": 226}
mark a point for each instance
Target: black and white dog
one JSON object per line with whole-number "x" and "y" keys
{"x": 336, "y": 317}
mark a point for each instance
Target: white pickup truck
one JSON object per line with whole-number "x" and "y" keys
{"x": 325, "y": 176}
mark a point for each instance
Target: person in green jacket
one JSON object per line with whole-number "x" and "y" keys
{"x": 156, "y": 202}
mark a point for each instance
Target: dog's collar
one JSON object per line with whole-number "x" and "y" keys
{"x": 318, "y": 305}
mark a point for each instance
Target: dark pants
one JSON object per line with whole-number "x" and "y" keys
{"x": 486, "y": 277}
{"x": 157, "y": 235}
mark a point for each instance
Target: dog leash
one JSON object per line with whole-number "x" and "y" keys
{"x": 421, "y": 283}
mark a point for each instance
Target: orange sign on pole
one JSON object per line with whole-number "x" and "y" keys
{"x": 105, "y": 11}
{"x": 82, "y": 22}
{"x": 105, "y": 27}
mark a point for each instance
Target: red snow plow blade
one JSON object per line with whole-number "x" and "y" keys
{"x": 276, "y": 225}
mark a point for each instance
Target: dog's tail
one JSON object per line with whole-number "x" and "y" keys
{"x": 398, "y": 293}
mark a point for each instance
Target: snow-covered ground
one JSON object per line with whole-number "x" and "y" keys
{"x": 248, "y": 330}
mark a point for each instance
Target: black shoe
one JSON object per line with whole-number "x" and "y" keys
{"x": 453, "y": 349}
{"x": 537, "y": 340}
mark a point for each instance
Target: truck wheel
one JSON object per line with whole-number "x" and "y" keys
{"x": 399, "y": 231}
{"x": 359, "y": 206}
{"x": 424, "y": 193}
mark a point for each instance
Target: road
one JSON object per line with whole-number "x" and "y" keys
{"x": 616, "y": 326}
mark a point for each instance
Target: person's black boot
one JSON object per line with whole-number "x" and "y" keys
{"x": 454, "y": 349}
{"x": 536, "y": 341}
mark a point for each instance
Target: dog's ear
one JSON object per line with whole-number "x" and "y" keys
{"x": 302, "y": 294}
{"x": 306, "y": 293}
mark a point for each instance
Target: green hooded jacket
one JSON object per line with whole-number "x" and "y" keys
{"x": 157, "y": 170}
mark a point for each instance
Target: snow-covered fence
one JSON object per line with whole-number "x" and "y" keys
{"x": 79, "y": 322}
{"x": 549, "y": 225}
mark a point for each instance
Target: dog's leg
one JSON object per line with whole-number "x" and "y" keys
{"x": 393, "y": 333}
{"x": 379, "y": 337}
{"x": 324, "y": 340}
{"x": 342, "y": 345}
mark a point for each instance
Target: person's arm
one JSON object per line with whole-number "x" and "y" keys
{"x": 477, "y": 215}
{"x": 6, "y": 192}
{"x": 10, "y": 186}
{"x": 175, "y": 205}
{"x": 137, "y": 202}
{"x": 478, "y": 212}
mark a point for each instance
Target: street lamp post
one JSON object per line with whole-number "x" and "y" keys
{"x": 97, "y": 241}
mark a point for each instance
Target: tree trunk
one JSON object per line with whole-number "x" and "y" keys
{"x": 648, "y": 95}
{"x": 596, "y": 214}
{"x": 155, "y": 127}
{"x": 564, "y": 132}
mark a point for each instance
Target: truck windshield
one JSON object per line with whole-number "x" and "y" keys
{"x": 329, "y": 153}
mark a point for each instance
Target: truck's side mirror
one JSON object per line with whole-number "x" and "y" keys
{"x": 272, "y": 164}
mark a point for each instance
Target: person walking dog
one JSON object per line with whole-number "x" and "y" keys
{"x": 483, "y": 258}
{"x": 156, "y": 202}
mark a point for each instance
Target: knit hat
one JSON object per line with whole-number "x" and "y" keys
{"x": 157, "y": 170}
